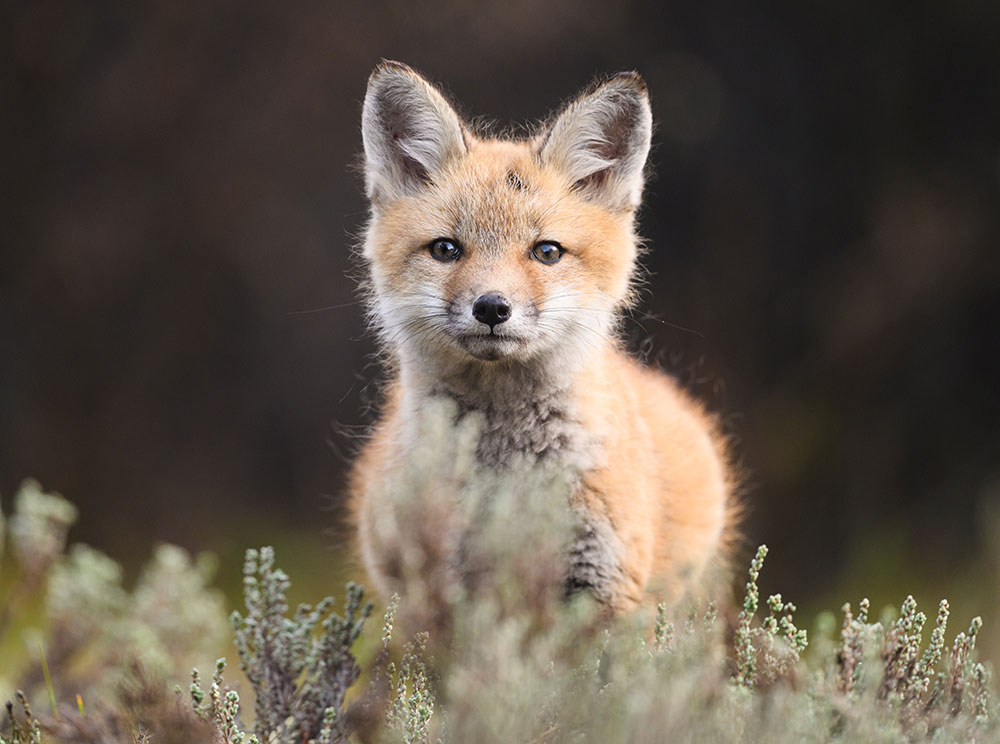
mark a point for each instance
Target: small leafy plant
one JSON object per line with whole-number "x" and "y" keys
{"x": 513, "y": 665}
{"x": 299, "y": 668}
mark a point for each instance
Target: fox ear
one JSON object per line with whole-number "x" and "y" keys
{"x": 409, "y": 129}
{"x": 600, "y": 141}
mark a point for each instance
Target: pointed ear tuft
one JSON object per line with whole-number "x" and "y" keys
{"x": 600, "y": 141}
{"x": 409, "y": 129}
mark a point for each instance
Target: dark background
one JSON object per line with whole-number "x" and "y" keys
{"x": 179, "y": 182}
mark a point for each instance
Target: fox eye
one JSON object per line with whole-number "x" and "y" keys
{"x": 548, "y": 252}
{"x": 444, "y": 249}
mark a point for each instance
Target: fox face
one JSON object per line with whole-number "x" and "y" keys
{"x": 489, "y": 252}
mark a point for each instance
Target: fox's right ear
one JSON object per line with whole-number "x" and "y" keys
{"x": 409, "y": 129}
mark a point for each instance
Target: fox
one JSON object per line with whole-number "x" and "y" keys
{"x": 498, "y": 271}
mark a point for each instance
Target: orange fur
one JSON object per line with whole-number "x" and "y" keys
{"x": 650, "y": 469}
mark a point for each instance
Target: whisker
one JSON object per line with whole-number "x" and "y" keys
{"x": 324, "y": 309}
{"x": 647, "y": 316}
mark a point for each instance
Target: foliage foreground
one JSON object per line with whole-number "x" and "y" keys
{"x": 507, "y": 664}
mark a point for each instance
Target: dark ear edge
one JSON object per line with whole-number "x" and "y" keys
{"x": 394, "y": 65}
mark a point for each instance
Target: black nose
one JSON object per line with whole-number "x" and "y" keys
{"x": 491, "y": 308}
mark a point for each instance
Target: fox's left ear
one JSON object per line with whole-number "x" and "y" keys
{"x": 600, "y": 141}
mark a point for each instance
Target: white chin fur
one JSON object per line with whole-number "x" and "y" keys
{"x": 564, "y": 331}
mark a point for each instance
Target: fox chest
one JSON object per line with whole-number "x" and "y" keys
{"x": 528, "y": 433}
{"x": 518, "y": 436}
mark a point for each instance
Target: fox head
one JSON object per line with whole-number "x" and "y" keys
{"x": 499, "y": 252}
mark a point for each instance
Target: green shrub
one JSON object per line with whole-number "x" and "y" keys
{"x": 501, "y": 659}
{"x": 70, "y": 632}
{"x": 299, "y": 668}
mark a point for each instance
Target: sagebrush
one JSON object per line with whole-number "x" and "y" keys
{"x": 513, "y": 666}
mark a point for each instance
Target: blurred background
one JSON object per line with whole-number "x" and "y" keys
{"x": 181, "y": 353}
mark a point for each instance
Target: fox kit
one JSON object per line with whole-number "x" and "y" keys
{"x": 498, "y": 271}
